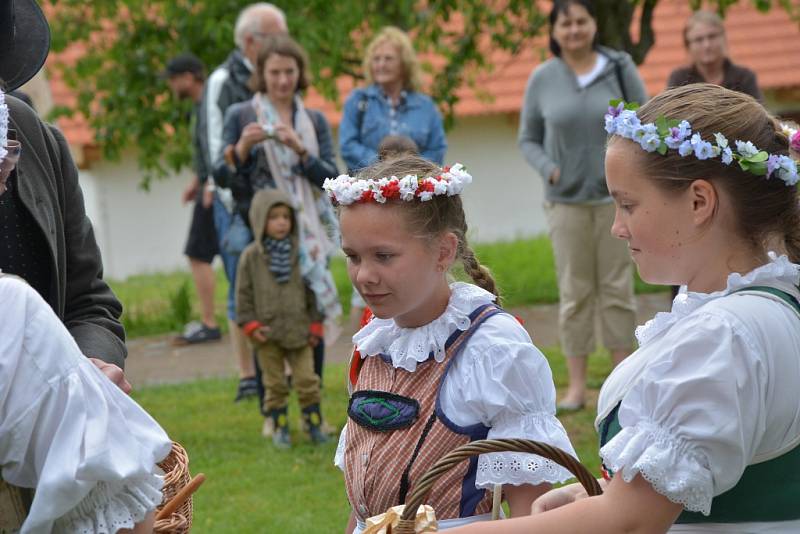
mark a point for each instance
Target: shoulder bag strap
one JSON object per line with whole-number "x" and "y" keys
{"x": 620, "y": 80}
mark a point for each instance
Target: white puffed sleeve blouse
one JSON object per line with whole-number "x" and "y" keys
{"x": 88, "y": 449}
{"x": 711, "y": 390}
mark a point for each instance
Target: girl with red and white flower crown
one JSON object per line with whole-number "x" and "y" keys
{"x": 700, "y": 427}
{"x": 440, "y": 364}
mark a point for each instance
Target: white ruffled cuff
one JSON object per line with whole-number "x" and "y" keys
{"x": 520, "y": 468}
{"x": 667, "y": 463}
{"x": 110, "y": 507}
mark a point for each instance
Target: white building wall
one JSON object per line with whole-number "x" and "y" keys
{"x": 137, "y": 231}
{"x": 145, "y": 231}
{"x": 505, "y": 199}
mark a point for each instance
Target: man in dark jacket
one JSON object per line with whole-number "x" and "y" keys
{"x": 45, "y": 236}
{"x": 227, "y": 85}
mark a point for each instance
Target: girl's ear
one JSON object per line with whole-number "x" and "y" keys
{"x": 705, "y": 201}
{"x": 448, "y": 248}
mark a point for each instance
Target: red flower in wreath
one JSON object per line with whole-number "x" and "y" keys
{"x": 423, "y": 187}
{"x": 367, "y": 196}
{"x": 391, "y": 190}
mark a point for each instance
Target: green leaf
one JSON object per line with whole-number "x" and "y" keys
{"x": 759, "y": 168}
{"x": 662, "y": 148}
{"x": 614, "y": 102}
{"x": 761, "y": 156}
{"x": 632, "y": 106}
{"x": 662, "y": 127}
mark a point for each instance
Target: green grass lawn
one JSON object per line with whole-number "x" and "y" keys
{"x": 161, "y": 303}
{"x": 253, "y": 487}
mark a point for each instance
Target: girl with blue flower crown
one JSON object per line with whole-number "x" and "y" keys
{"x": 700, "y": 427}
{"x": 440, "y": 364}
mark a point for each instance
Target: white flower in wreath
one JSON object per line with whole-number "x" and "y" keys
{"x": 746, "y": 149}
{"x": 408, "y": 187}
{"x": 440, "y": 187}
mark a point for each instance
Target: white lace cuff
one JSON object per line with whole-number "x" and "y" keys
{"x": 519, "y": 468}
{"x": 110, "y": 507}
{"x": 666, "y": 462}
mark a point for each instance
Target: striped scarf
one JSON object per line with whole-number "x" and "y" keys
{"x": 280, "y": 258}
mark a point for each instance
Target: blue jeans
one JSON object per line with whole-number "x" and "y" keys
{"x": 222, "y": 221}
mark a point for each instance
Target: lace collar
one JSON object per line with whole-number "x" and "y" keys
{"x": 779, "y": 270}
{"x": 409, "y": 346}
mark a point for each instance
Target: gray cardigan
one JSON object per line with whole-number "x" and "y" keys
{"x": 561, "y": 125}
{"x": 49, "y": 189}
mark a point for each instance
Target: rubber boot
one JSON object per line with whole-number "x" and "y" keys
{"x": 313, "y": 423}
{"x": 280, "y": 435}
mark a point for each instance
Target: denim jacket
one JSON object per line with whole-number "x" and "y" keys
{"x": 364, "y": 125}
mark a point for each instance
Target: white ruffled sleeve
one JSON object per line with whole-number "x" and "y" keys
{"x": 88, "y": 449}
{"x": 504, "y": 380}
{"x": 690, "y": 424}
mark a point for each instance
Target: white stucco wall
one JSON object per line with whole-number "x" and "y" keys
{"x": 138, "y": 231}
{"x": 144, "y": 231}
{"x": 505, "y": 199}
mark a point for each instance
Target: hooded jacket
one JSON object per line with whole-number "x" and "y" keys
{"x": 289, "y": 309}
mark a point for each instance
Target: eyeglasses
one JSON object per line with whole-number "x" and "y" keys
{"x": 700, "y": 39}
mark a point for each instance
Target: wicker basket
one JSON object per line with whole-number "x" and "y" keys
{"x": 176, "y": 477}
{"x": 423, "y": 487}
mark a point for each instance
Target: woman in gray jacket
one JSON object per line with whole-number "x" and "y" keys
{"x": 562, "y": 137}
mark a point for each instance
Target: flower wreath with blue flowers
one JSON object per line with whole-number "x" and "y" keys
{"x": 671, "y": 134}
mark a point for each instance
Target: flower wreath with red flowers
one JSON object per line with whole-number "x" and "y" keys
{"x": 345, "y": 190}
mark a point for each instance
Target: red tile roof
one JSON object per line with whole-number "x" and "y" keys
{"x": 763, "y": 42}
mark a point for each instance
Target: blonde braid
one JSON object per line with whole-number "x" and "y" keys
{"x": 480, "y": 274}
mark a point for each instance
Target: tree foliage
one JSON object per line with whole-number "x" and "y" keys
{"x": 126, "y": 43}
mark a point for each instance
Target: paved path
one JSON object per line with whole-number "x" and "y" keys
{"x": 153, "y": 360}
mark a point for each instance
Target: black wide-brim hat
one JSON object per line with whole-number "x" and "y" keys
{"x": 24, "y": 41}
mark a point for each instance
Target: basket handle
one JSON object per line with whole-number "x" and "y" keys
{"x": 423, "y": 487}
{"x": 181, "y": 497}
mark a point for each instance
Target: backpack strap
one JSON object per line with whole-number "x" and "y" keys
{"x": 362, "y": 109}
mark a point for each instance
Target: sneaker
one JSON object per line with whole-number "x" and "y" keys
{"x": 197, "y": 332}
{"x": 248, "y": 387}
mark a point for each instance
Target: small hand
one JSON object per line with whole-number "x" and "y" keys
{"x": 261, "y": 334}
{"x": 286, "y": 135}
{"x": 555, "y": 176}
{"x": 251, "y": 134}
{"x": 313, "y": 341}
{"x": 558, "y": 497}
{"x": 114, "y": 373}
